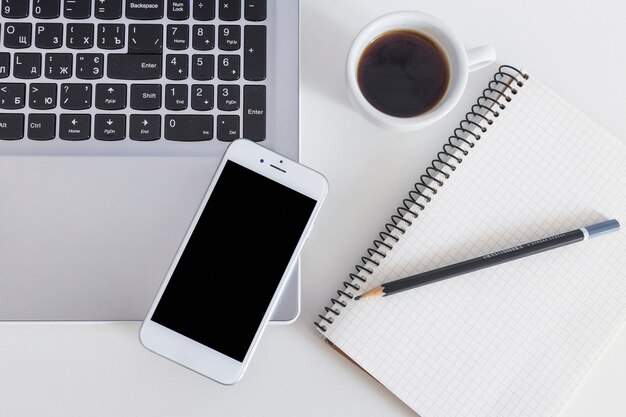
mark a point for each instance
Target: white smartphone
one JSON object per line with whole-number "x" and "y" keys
{"x": 232, "y": 265}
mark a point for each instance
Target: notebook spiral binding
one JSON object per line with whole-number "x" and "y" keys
{"x": 501, "y": 88}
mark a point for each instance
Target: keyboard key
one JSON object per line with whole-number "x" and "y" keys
{"x": 111, "y": 36}
{"x": 145, "y": 39}
{"x": 255, "y": 60}
{"x": 188, "y": 128}
{"x": 108, "y": 9}
{"x": 79, "y": 36}
{"x": 58, "y": 66}
{"x": 144, "y": 9}
{"x": 12, "y": 96}
{"x": 229, "y": 37}
{"x": 202, "y": 97}
{"x": 254, "y": 112}
{"x": 77, "y": 9}
{"x": 229, "y": 67}
{"x": 176, "y": 97}
{"x": 42, "y": 96}
{"x": 145, "y": 96}
{"x": 49, "y": 35}
{"x": 176, "y": 67}
{"x": 110, "y": 127}
{"x": 203, "y": 37}
{"x": 75, "y": 96}
{"x": 89, "y": 66}
{"x": 255, "y": 10}
{"x": 177, "y": 37}
{"x": 17, "y": 35}
{"x": 41, "y": 126}
{"x": 5, "y": 64}
{"x": 75, "y": 126}
{"x": 145, "y": 127}
{"x": 227, "y": 128}
{"x": 204, "y": 10}
{"x": 110, "y": 96}
{"x": 15, "y": 9}
{"x": 228, "y": 97}
{"x": 178, "y": 9}
{"x": 11, "y": 126}
{"x": 230, "y": 9}
{"x": 46, "y": 9}
{"x": 134, "y": 67}
{"x": 27, "y": 65}
{"x": 202, "y": 67}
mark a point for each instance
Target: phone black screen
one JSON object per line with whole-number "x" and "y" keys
{"x": 233, "y": 261}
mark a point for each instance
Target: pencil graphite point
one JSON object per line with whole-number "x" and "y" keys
{"x": 375, "y": 292}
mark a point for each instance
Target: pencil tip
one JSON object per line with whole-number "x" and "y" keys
{"x": 358, "y": 297}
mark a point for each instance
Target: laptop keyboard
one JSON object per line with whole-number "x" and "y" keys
{"x": 133, "y": 70}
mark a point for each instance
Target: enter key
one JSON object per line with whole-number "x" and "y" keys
{"x": 254, "y": 112}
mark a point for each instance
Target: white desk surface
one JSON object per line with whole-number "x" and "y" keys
{"x": 95, "y": 370}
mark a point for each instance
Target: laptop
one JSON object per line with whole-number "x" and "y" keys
{"x": 113, "y": 117}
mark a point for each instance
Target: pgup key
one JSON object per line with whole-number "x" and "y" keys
{"x": 12, "y": 96}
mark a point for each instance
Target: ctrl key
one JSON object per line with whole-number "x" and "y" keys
{"x": 11, "y": 126}
{"x": 41, "y": 126}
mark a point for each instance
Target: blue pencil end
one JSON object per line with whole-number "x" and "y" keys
{"x": 602, "y": 228}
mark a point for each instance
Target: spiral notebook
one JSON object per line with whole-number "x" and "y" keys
{"x": 516, "y": 339}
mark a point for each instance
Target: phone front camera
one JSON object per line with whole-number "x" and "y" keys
{"x": 262, "y": 161}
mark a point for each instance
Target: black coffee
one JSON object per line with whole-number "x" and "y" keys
{"x": 403, "y": 73}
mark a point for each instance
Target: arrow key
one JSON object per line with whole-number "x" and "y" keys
{"x": 75, "y": 126}
{"x": 110, "y": 127}
{"x": 202, "y": 97}
{"x": 144, "y": 127}
{"x": 177, "y": 66}
{"x": 110, "y": 96}
{"x": 203, "y": 38}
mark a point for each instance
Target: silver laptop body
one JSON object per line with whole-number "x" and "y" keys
{"x": 88, "y": 228}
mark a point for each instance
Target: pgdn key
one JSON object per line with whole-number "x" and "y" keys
{"x": 188, "y": 128}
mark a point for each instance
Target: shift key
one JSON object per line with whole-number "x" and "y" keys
{"x": 134, "y": 67}
{"x": 254, "y": 112}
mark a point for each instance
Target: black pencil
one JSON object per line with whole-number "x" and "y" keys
{"x": 489, "y": 260}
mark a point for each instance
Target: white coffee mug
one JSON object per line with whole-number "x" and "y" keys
{"x": 461, "y": 62}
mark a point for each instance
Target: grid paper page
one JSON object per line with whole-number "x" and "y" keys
{"x": 516, "y": 339}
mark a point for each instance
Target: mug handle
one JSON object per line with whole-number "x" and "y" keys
{"x": 480, "y": 57}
